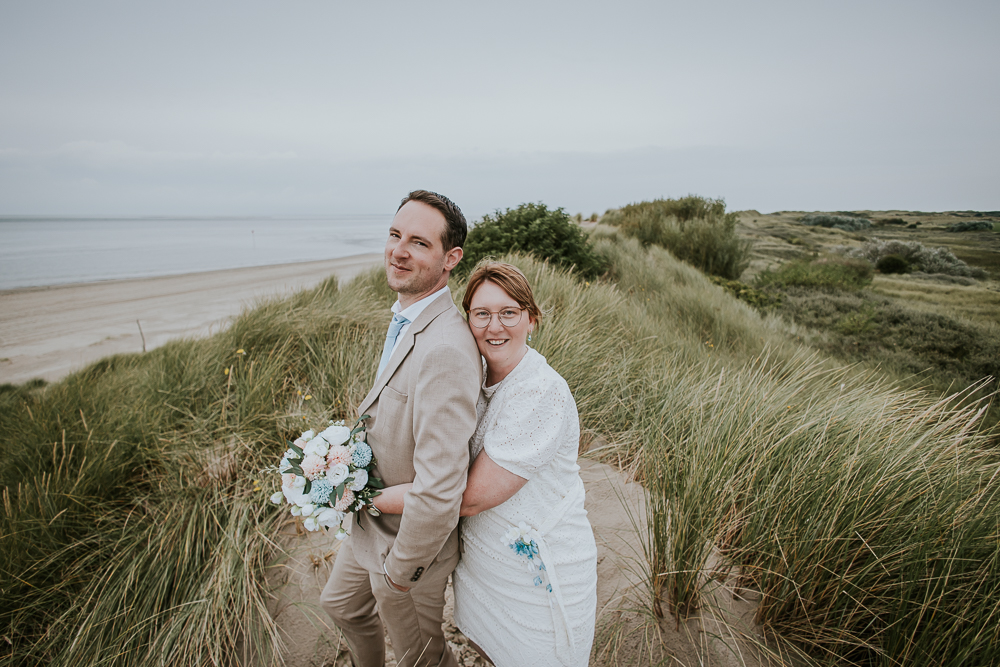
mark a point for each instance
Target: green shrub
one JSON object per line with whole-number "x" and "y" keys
{"x": 829, "y": 272}
{"x": 971, "y": 226}
{"x": 759, "y": 299}
{"x": 695, "y": 229}
{"x": 848, "y": 223}
{"x": 892, "y": 264}
{"x": 549, "y": 235}
{"x": 918, "y": 256}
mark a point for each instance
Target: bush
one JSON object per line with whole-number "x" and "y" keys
{"x": 694, "y": 229}
{"x": 972, "y": 226}
{"x": 549, "y": 235}
{"x": 845, "y": 222}
{"x": 892, "y": 264}
{"x": 827, "y": 273}
{"x": 928, "y": 260}
{"x": 759, "y": 299}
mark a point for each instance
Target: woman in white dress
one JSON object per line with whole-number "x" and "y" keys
{"x": 526, "y": 586}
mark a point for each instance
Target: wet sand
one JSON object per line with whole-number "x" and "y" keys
{"x": 49, "y": 332}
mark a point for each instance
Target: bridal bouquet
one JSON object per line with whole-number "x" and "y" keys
{"x": 325, "y": 477}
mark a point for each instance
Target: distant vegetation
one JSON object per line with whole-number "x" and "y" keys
{"x": 832, "y": 272}
{"x": 844, "y": 222}
{"x": 972, "y": 226}
{"x": 534, "y": 229}
{"x": 694, "y": 229}
{"x": 917, "y": 257}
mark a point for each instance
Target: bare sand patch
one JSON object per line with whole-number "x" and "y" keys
{"x": 49, "y": 332}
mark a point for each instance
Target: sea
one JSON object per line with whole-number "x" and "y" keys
{"x": 44, "y": 251}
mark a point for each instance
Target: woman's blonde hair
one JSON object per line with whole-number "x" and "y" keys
{"x": 508, "y": 278}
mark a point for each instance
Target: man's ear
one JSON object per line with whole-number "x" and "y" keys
{"x": 452, "y": 258}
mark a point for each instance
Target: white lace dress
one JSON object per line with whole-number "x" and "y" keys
{"x": 528, "y": 425}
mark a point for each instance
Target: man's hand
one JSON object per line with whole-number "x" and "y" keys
{"x": 392, "y": 583}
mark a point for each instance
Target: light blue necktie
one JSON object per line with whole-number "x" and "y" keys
{"x": 390, "y": 340}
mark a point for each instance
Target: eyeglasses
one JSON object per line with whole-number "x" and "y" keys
{"x": 481, "y": 318}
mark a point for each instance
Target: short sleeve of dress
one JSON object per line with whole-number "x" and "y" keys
{"x": 526, "y": 435}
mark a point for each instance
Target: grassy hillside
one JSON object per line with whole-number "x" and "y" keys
{"x": 136, "y": 528}
{"x": 925, "y": 329}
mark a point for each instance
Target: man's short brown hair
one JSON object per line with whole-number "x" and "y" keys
{"x": 455, "y": 228}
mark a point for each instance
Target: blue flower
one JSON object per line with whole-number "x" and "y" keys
{"x": 321, "y": 490}
{"x": 362, "y": 455}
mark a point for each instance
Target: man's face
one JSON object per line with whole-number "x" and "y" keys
{"x": 416, "y": 263}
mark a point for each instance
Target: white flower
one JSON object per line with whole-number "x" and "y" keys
{"x": 276, "y": 498}
{"x": 296, "y": 510}
{"x": 284, "y": 466}
{"x": 317, "y": 446}
{"x": 299, "y": 482}
{"x": 329, "y": 517}
{"x": 308, "y": 509}
{"x": 360, "y": 479}
{"x": 293, "y": 494}
{"x": 338, "y": 473}
{"x": 341, "y": 534}
{"x": 336, "y": 434}
{"x": 308, "y": 435}
{"x": 310, "y": 524}
{"x": 519, "y": 532}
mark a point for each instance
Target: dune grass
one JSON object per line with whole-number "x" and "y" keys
{"x": 136, "y": 529}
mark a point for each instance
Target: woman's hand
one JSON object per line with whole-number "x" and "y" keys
{"x": 390, "y": 501}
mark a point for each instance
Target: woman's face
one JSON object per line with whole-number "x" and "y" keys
{"x": 502, "y": 346}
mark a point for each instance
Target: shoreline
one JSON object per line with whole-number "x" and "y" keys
{"x": 281, "y": 266}
{"x": 51, "y": 331}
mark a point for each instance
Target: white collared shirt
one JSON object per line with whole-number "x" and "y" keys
{"x": 412, "y": 312}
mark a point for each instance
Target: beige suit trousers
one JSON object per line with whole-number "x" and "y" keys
{"x": 353, "y": 597}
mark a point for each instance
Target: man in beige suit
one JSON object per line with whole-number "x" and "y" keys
{"x": 423, "y": 412}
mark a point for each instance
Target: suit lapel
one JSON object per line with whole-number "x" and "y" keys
{"x": 432, "y": 311}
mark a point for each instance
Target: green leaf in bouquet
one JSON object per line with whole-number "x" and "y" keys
{"x": 297, "y": 470}
{"x": 308, "y": 487}
{"x": 376, "y": 483}
{"x": 359, "y": 425}
{"x": 295, "y": 448}
{"x": 340, "y": 490}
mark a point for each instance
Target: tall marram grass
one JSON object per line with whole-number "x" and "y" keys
{"x": 135, "y": 527}
{"x": 134, "y": 531}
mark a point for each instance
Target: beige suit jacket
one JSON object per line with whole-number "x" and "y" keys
{"x": 423, "y": 412}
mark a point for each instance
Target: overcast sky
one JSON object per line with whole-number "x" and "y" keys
{"x": 324, "y": 106}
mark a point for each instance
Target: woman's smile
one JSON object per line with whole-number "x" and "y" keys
{"x": 502, "y": 345}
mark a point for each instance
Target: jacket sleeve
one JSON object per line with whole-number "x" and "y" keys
{"x": 444, "y": 419}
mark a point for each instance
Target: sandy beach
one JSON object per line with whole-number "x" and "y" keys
{"x": 49, "y": 332}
